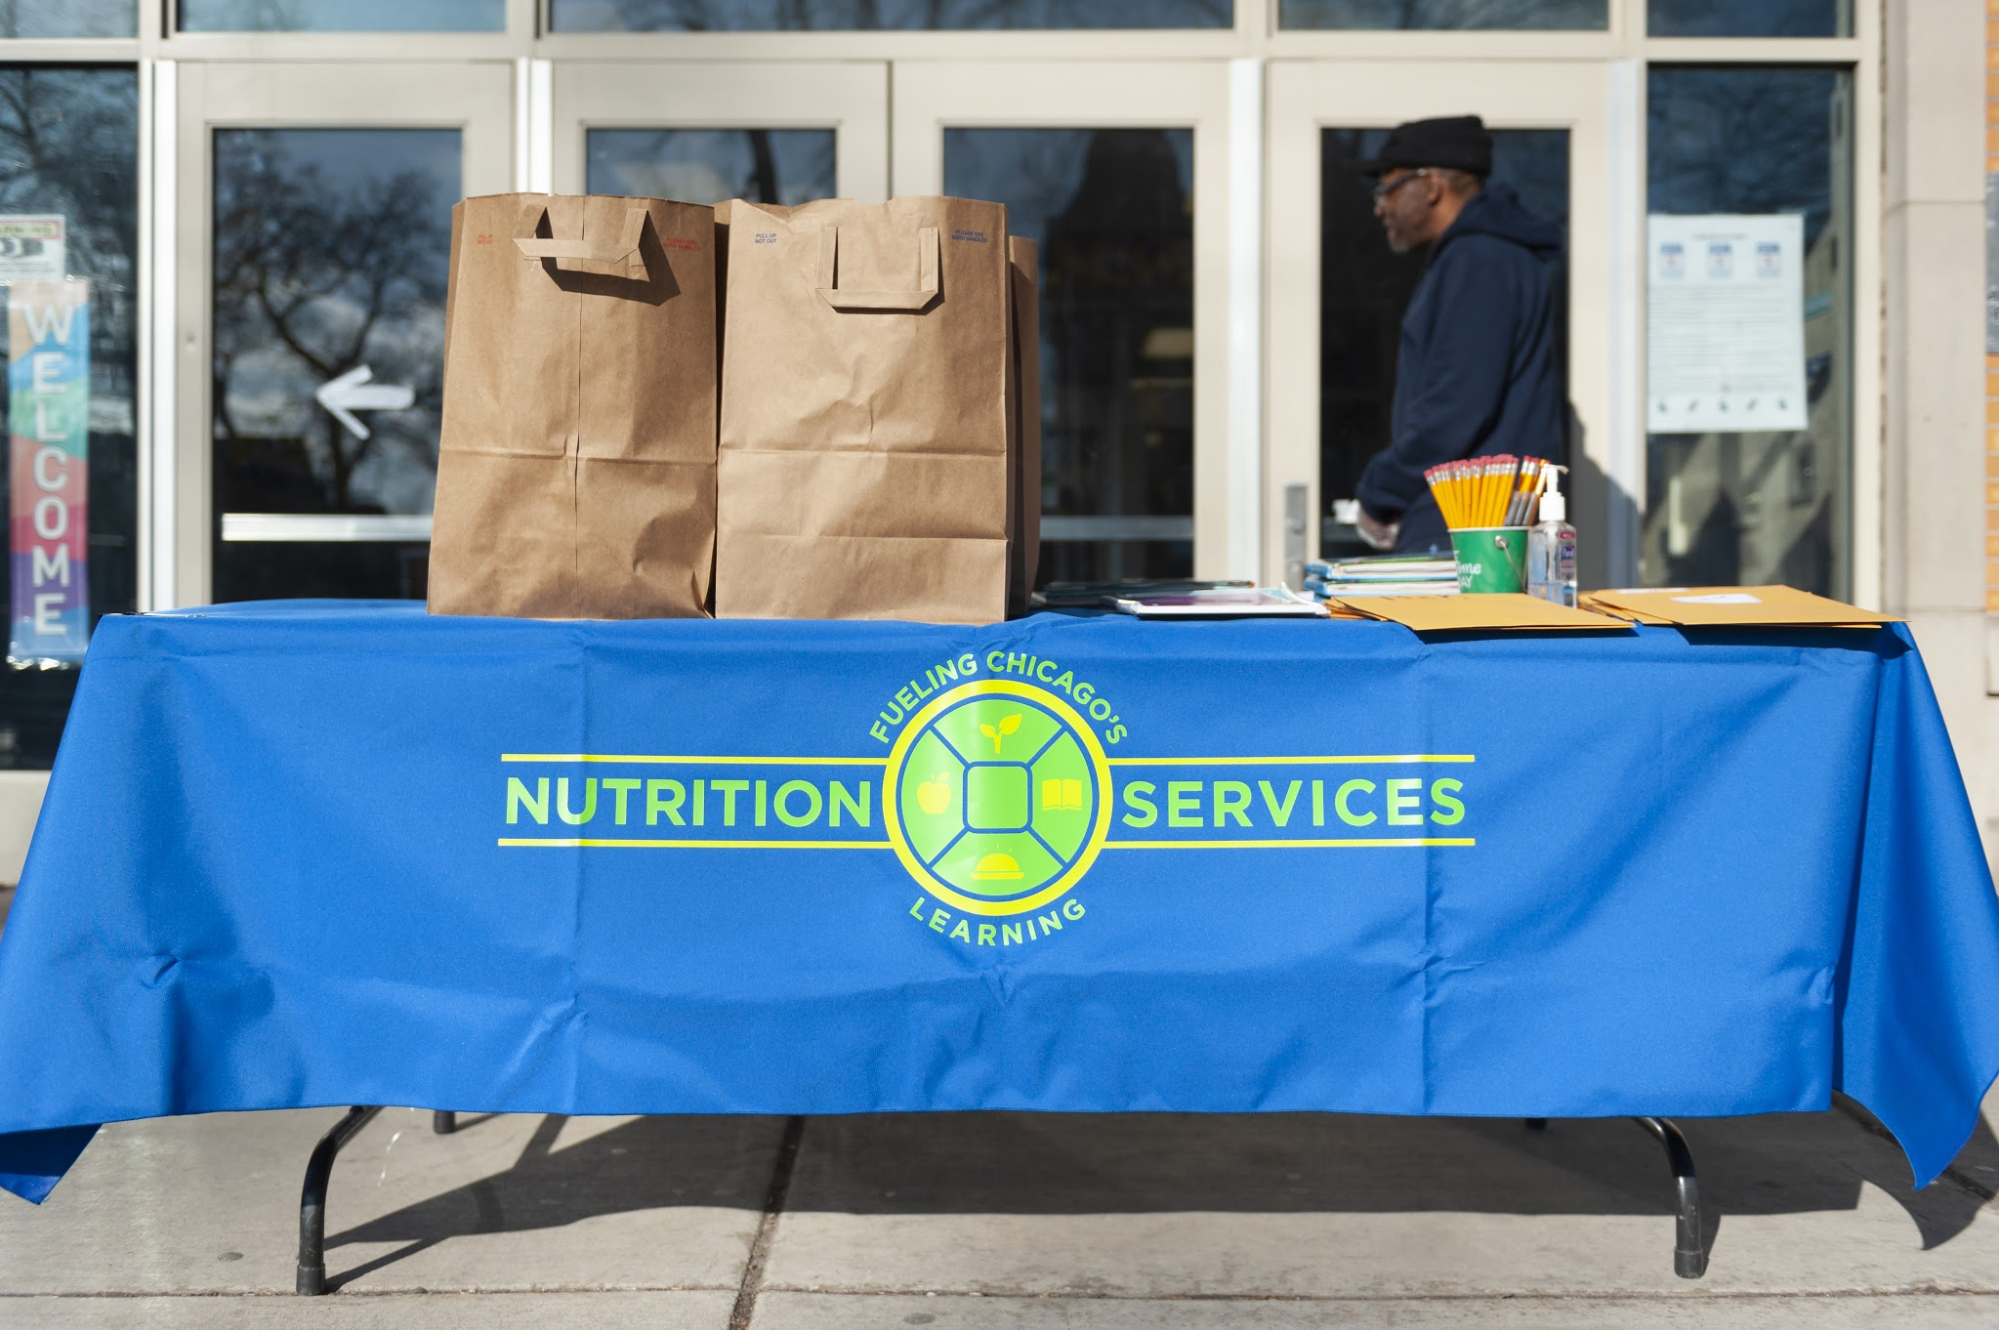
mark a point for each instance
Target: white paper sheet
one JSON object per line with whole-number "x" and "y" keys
{"x": 1725, "y": 325}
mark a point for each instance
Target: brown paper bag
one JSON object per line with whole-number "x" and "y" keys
{"x": 865, "y": 465}
{"x": 576, "y": 474}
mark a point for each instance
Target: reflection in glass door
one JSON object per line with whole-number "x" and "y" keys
{"x": 331, "y": 254}
{"x": 783, "y": 166}
{"x": 1120, "y": 172}
{"x": 705, "y": 132}
{"x": 314, "y": 261}
{"x": 1760, "y": 506}
{"x": 70, "y": 139}
{"x": 1112, "y": 212}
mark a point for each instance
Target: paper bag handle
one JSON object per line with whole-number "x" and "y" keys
{"x": 608, "y": 257}
{"x": 911, "y": 302}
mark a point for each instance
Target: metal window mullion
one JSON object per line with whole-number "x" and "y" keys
{"x": 69, "y": 50}
{"x": 1244, "y": 438}
{"x": 158, "y": 514}
{"x": 1625, "y": 457}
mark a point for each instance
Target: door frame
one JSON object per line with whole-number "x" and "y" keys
{"x": 849, "y": 97}
{"x": 1307, "y": 96}
{"x": 477, "y": 99}
{"x": 931, "y": 96}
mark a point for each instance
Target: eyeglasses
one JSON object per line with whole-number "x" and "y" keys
{"x": 1382, "y": 191}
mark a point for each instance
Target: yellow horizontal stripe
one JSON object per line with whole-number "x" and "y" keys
{"x": 1330, "y": 758}
{"x": 686, "y": 758}
{"x": 1362, "y": 842}
{"x": 1284, "y": 760}
{"x": 693, "y": 845}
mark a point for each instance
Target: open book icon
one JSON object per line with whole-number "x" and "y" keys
{"x": 1063, "y": 794}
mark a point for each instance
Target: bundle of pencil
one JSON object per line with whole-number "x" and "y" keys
{"x": 1497, "y": 491}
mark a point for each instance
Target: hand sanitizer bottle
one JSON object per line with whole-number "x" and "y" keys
{"x": 1551, "y": 548}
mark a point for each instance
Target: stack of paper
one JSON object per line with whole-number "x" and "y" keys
{"x": 1386, "y": 575}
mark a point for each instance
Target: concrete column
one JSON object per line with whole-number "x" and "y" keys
{"x": 1933, "y": 239}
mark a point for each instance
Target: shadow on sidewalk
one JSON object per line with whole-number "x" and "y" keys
{"x": 1062, "y": 1164}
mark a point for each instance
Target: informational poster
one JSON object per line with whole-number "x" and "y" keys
{"x": 48, "y": 421}
{"x": 1725, "y": 326}
{"x": 32, "y": 247}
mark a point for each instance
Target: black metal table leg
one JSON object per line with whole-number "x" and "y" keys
{"x": 443, "y": 1122}
{"x": 312, "y": 1201}
{"x": 1690, "y": 1252}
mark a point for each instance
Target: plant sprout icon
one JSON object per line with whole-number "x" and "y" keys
{"x": 1006, "y": 726}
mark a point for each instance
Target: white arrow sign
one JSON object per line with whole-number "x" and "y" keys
{"x": 352, "y": 392}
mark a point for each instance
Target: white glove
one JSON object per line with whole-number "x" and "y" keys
{"x": 1378, "y": 535}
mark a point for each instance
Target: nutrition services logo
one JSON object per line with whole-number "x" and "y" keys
{"x": 997, "y": 782}
{"x": 995, "y": 797}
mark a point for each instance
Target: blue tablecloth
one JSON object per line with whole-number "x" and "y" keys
{"x": 327, "y": 853}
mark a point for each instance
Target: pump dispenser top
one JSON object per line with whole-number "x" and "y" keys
{"x": 1554, "y": 505}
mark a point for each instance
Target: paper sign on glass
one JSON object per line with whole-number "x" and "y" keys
{"x": 1725, "y": 326}
{"x": 32, "y": 247}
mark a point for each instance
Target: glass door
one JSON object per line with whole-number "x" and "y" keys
{"x": 1337, "y": 292}
{"x": 1120, "y": 173}
{"x": 700, "y": 133}
{"x": 314, "y": 236}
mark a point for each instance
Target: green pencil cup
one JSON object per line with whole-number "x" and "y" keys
{"x": 1491, "y": 559}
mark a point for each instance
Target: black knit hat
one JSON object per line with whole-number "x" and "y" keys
{"x": 1457, "y": 142}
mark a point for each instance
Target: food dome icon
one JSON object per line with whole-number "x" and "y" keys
{"x": 996, "y": 795}
{"x": 996, "y": 865}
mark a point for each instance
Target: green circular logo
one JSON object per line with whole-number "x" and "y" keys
{"x": 997, "y": 797}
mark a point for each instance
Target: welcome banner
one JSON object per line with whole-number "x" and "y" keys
{"x": 48, "y": 419}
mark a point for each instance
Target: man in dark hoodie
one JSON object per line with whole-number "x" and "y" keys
{"x": 1477, "y": 371}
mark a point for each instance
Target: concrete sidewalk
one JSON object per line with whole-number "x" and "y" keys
{"x": 1003, "y": 1220}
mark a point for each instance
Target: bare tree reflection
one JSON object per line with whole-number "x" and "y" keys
{"x": 66, "y": 146}
{"x": 69, "y": 144}
{"x": 1445, "y": 14}
{"x": 341, "y": 15}
{"x": 1112, "y": 211}
{"x": 883, "y": 15}
{"x": 1733, "y": 18}
{"x": 313, "y": 277}
{"x": 786, "y": 166}
{"x": 1766, "y": 506}
{"x": 1723, "y": 142}
{"x": 70, "y": 18}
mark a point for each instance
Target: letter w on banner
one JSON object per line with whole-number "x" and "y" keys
{"x": 48, "y": 417}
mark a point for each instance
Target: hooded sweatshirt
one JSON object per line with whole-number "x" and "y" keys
{"x": 1477, "y": 372}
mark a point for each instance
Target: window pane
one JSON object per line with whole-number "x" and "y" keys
{"x": 369, "y": 570}
{"x": 1757, "y": 506}
{"x": 69, "y": 141}
{"x": 343, "y": 15}
{"x": 69, "y": 18}
{"x": 881, "y": 15}
{"x": 1591, "y": 15}
{"x": 1765, "y": 18}
{"x": 786, "y": 166}
{"x": 332, "y": 248}
{"x": 1364, "y": 287}
{"x": 1113, "y": 212}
